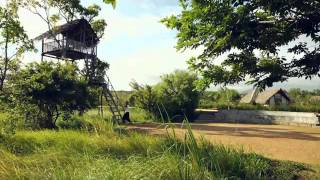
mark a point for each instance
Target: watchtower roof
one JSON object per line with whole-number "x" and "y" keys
{"x": 71, "y": 30}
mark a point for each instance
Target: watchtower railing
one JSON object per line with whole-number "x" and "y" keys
{"x": 52, "y": 46}
{"x": 68, "y": 45}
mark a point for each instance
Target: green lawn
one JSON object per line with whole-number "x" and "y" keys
{"x": 103, "y": 151}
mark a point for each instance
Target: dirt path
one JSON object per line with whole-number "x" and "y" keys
{"x": 301, "y": 144}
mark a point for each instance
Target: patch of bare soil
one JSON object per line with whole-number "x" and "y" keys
{"x": 300, "y": 144}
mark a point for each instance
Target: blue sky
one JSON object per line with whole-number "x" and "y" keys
{"x": 137, "y": 46}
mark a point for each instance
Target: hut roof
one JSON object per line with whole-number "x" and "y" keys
{"x": 264, "y": 96}
{"x": 72, "y": 28}
{"x": 315, "y": 98}
{"x": 247, "y": 98}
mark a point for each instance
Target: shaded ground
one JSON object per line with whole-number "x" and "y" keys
{"x": 301, "y": 144}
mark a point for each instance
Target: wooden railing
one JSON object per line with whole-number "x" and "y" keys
{"x": 68, "y": 45}
{"x": 51, "y": 46}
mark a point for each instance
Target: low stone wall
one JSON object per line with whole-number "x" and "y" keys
{"x": 260, "y": 117}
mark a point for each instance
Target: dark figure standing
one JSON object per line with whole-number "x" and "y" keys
{"x": 126, "y": 116}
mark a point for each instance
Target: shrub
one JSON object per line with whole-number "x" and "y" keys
{"x": 224, "y": 98}
{"x": 8, "y": 125}
{"x": 51, "y": 89}
{"x": 145, "y": 97}
{"x": 89, "y": 122}
{"x": 76, "y": 123}
{"x": 177, "y": 93}
{"x": 174, "y": 97}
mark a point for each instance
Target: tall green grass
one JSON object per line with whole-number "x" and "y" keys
{"x": 226, "y": 162}
{"x": 107, "y": 151}
{"x": 136, "y": 114}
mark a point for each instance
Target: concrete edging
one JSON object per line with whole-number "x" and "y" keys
{"x": 261, "y": 117}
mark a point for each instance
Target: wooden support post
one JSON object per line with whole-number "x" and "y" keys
{"x": 101, "y": 103}
{"x": 64, "y": 47}
{"x": 42, "y": 50}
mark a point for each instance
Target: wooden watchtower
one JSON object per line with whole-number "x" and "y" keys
{"x": 76, "y": 40}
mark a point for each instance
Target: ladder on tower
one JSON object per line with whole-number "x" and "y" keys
{"x": 113, "y": 101}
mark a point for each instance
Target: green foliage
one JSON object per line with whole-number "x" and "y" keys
{"x": 240, "y": 27}
{"x": 140, "y": 115}
{"x": 7, "y": 126}
{"x": 178, "y": 94}
{"x": 52, "y": 89}
{"x": 222, "y": 97}
{"x": 68, "y": 9}
{"x": 124, "y": 96}
{"x": 13, "y": 40}
{"x": 304, "y": 101}
{"x": 136, "y": 114}
{"x": 99, "y": 27}
{"x": 174, "y": 97}
{"x": 95, "y": 72}
{"x": 144, "y": 97}
{"x": 112, "y": 2}
{"x": 74, "y": 122}
{"x": 11, "y": 29}
{"x": 89, "y": 122}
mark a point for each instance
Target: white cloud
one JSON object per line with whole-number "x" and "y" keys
{"x": 146, "y": 65}
{"x": 33, "y": 24}
{"x": 120, "y": 25}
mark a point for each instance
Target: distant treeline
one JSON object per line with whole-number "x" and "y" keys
{"x": 303, "y": 101}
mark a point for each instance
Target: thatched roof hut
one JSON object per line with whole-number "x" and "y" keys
{"x": 315, "y": 98}
{"x": 267, "y": 97}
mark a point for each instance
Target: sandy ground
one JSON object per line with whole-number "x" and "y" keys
{"x": 301, "y": 144}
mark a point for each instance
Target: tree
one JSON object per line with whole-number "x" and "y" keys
{"x": 178, "y": 94}
{"x": 245, "y": 27}
{"x": 13, "y": 39}
{"x": 223, "y": 98}
{"x": 175, "y": 95}
{"x": 145, "y": 97}
{"x": 51, "y": 89}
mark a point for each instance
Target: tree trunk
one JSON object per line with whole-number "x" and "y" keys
{"x": 6, "y": 62}
{"x": 81, "y": 112}
{"x": 49, "y": 122}
{"x": 101, "y": 103}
